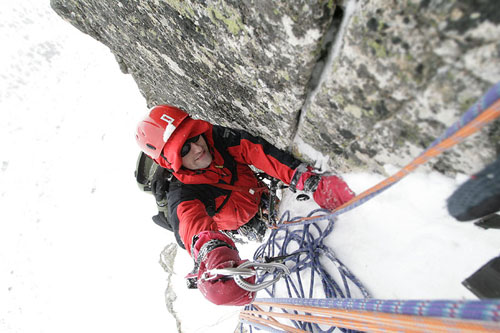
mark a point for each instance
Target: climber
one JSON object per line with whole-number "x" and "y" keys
{"x": 214, "y": 189}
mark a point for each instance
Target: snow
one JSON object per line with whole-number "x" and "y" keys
{"x": 78, "y": 249}
{"x": 403, "y": 244}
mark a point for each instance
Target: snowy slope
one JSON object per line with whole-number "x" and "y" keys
{"x": 78, "y": 250}
{"x": 403, "y": 244}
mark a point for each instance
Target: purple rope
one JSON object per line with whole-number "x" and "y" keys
{"x": 486, "y": 310}
{"x": 491, "y": 96}
{"x": 308, "y": 246}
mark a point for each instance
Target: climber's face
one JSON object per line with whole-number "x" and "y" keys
{"x": 195, "y": 153}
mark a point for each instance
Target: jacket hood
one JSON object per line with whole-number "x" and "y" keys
{"x": 171, "y": 157}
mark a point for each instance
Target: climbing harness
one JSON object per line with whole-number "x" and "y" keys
{"x": 341, "y": 306}
{"x": 270, "y": 199}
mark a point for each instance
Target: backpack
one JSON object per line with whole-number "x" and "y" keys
{"x": 152, "y": 178}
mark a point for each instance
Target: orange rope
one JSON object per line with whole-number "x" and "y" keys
{"x": 367, "y": 320}
{"x": 269, "y": 322}
{"x": 260, "y": 309}
{"x": 324, "y": 321}
{"x": 488, "y": 115}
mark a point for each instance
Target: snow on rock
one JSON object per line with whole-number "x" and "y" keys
{"x": 167, "y": 259}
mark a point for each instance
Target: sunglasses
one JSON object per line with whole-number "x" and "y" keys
{"x": 187, "y": 145}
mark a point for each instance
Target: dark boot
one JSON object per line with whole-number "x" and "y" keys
{"x": 477, "y": 197}
{"x": 485, "y": 283}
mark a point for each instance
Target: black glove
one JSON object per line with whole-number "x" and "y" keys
{"x": 160, "y": 183}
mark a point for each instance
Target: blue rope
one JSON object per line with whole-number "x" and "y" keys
{"x": 486, "y": 310}
{"x": 304, "y": 252}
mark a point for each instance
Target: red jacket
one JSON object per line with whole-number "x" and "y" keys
{"x": 194, "y": 204}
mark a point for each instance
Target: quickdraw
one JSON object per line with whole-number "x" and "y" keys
{"x": 246, "y": 270}
{"x": 212, "y": 274}
{"x": 271, "y": 267}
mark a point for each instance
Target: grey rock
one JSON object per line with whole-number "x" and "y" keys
{"x": 407, "y": 71}
{"x": 363, "y": 83}
{"x": 245, "y": 64}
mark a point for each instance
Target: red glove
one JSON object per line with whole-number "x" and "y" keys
{"x": 215, "y": 250}
{"x": 330, "y": 191}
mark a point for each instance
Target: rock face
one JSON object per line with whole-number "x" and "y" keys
{"x": 362, "y": 82}
{"x": 407, "y": 70}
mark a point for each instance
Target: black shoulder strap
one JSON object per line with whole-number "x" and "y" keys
{"x": 220, "y": 134}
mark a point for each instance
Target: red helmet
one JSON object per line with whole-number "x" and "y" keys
{"x": 154, "y": 131}
{"x": 154, "y": 134}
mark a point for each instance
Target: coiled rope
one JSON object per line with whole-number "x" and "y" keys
{"x": 303, "y": 251}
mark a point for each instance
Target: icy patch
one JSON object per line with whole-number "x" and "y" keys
{"x": 321, "y": 161}
{"x": 390, "y": 169}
